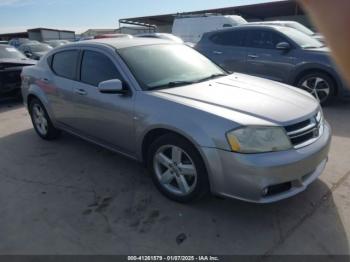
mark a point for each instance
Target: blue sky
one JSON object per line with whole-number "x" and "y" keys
{"x": 79, "y": 15}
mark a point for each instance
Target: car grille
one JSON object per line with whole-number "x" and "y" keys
{"x": 306, "y": 132}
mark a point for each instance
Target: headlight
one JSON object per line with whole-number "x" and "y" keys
{"x": 258, "y": 140}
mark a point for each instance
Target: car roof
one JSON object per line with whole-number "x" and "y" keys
{"x": 251, "y": 26}
{"x": 120, "y": 43}
{"x": 277, "y": 22}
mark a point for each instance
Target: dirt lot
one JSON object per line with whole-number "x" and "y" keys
{"x": 72, "y": 197}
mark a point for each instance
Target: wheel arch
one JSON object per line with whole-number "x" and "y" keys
{"x": 305, "y": 71}
{"x": 30, "y": 98}
{"x": 35, "y": 92}
{"x": 153, "y": 134}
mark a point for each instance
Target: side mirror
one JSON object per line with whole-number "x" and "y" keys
{"x": 283, "y": 46}
{"x": 114, "y": 86}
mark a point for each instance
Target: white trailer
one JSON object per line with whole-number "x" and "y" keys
{"x": 191, "y": 28}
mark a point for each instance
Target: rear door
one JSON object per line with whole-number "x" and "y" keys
{"x": 264, "y": 60}
{"x": 227, "y": 49}
{"x": 59, "y": 85}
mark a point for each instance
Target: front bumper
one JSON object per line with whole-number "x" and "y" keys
{"x": 10, "y": 81}
{"x": 269, "y": 177}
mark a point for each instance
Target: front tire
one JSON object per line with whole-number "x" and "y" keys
{"x": 177, "y": 169}
{"x": 41, "y": 121}
{"x": 320, "y": 85}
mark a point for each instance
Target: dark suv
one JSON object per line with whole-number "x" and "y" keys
{"x": 278, "y": 53}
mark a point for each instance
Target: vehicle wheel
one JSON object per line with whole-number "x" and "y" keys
{"x": 177, "y": 169}
{"x": 320, "y": 85}
{"x": 41, "y": 121}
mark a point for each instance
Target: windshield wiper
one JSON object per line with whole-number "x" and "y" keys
{"x": 172, "y": 84}
{"x": 210, "y": 77}
{"x": 183, "y": 83}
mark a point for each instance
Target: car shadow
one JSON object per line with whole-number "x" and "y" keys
{"x": 10, "y": 103}
{"x": 107, "y": 204}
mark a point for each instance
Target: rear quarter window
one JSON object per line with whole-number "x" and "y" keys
{"x": 64, "y": 64}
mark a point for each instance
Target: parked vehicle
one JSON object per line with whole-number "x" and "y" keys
{"x": 198, "y": 129}
{"x": 17, "y": 42}
{"x": 11, "y": 64}
{"x": 85, "y": 38}
{"x": 56, "y": 43}
{"x": 34, "y": 51}
{"x": 293, "y": 24}
{"x": 164, "y": 36}
{"x": 278, "y": 53}
{"x": 113, "y": 36}
{"x": 191, "y": 28}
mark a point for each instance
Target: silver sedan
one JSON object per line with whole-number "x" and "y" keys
{"x": 198, "y": 129}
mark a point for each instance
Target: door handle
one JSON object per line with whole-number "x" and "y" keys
{"x": 217, "y": 53}
{"x": 253, "y": 56}
{"x": 81, "y": 92}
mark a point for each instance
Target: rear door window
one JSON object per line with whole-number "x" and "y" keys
{"x": 229, "y": 38}
{"x": 96, "y": 68}
{"x": 64, "y": 64}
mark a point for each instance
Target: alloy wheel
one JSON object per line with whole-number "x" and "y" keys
{"x": 40, "y": 120}
{"x": 175, "y": 170}
{"x": 318, "y": 87}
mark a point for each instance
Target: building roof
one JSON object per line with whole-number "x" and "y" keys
{"x": 256, "y": 11}
{"x": 8, "y": 36}
{"x": 49, "y": 29}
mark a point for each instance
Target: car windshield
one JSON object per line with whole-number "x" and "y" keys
{"x": 303, "y": 40}
{"x": 301, "y": 28}
{"x": 9, "y": 52}
{"x": 40, "y": 48}
{"x": 168, "y": 65}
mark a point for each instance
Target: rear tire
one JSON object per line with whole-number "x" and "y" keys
{"x": 177, "y": 169}
{"x": 320, "y": 85}
{"x": 41, "y": 121}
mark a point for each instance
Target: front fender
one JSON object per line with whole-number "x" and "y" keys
{"x": 203, "y": 129}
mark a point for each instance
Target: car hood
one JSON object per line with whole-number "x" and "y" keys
{"x": 253, "y": 96}
{"x": 7, "y": 62}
